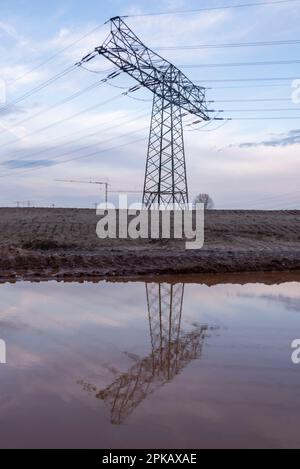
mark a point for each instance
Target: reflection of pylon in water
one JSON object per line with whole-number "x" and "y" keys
{"x": 172, "y": 351}
{"x": 164, "y": 303}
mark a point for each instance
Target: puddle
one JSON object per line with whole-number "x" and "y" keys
{"x": 151, "y": 365}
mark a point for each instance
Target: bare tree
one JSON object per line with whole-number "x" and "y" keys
{"x": 204, "y": 199}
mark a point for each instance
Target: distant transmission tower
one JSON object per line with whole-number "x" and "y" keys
{"x": 165, "y": 176}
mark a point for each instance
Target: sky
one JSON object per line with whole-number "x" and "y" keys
{"x": 102, "y": 134}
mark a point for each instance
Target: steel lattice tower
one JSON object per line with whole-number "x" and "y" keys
{"x": 165, "y": 175}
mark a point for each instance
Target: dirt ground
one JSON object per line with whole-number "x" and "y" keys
{"x": 39, "y": 243}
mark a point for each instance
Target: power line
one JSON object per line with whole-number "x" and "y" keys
{"x": 205, "y": 124}
{"x": 221, "y": 80}
{"x": 215, "y": 128}
{"x": 229, "y": 45}
{"x": 267, "y": 118}
{"x": 50, "y": 80}
{"x": 272, "y": 199}
{"x": 200, "y": 129}
{"x": 95, "y": 71}
{"x": 238, "y": 118}
{"x": 250, "y": 100}
{"x": 59, "y": 103}
{"x": 60, "y": 145}
{"x": 91, "y": 145}
{"x": 136, "y": 98}
{"x": 264, "y": 110}
{"x": 38, "y": 87}
{"x": 53, "y": 124}
{"x": 195, "y": 10}
{"x": 241, "y": 64}
{"x": 247, "y": 86}
{"x": 67, "y": 152}
{"x": 275, "y": 196}
{"x": 76, "y": 150}
{"x": 57, "y": 53}
{"x": 79, "y": 157}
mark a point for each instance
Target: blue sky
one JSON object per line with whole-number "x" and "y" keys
{"x": 245, "y": 163}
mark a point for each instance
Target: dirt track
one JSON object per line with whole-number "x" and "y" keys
{"x": 58, "y": 243}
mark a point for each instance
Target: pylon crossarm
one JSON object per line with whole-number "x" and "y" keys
{"x": 125, "y": 50}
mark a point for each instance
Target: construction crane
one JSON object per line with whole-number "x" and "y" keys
{"x": 165, "y": 179}
{"x": 106, "y": 184}
{"x": 102, "y": 183}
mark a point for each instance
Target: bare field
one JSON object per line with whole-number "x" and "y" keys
{"x": 62, "y": 243}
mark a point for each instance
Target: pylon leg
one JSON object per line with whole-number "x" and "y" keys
{"x": 165, "y": 176}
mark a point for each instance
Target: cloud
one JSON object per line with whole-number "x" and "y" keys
{"x": 17, "y": 164}
{"x": 10, "y": 109}
{"x": 290, "y": 303}
{"x": 18, "y": 76}
{"x": 8, "y": 29}
{"x": 282, "y": 140}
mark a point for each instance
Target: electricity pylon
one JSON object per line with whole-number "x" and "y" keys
{"x": 165, "y": 175}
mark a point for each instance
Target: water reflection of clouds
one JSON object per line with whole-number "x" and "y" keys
{"x": 67, "y": 328}
{"x": 233, "y": 296}
{"x": 85, "y": 304}
{"x": 290, "y": 303}
{"x": 59, "y": 333}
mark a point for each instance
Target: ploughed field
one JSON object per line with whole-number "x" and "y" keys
{"x": 58, "y": 243}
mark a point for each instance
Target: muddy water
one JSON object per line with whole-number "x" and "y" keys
{"x": 151, "y": 365}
